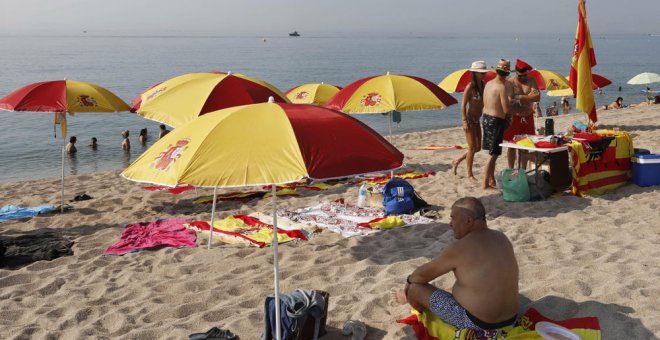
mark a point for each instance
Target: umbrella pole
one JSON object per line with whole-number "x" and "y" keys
{"x": 278, "y": 326}
{"x": 215, "y": 197}
{"x": 62, "y": 184}
{"x": 391, "y": 140}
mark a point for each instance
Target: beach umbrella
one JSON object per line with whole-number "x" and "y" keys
{"x": 317, "y": 94}
{"x": 389, "y": 93}
{"x": 458, "y": 80}
{"x": 597, "y": 82}
{"x": 60, "y": 97}
{"x": 260, "y": 144}
{"x": 644, "y": 78}
{"x": 548, "y": 80}
{"x": 181, "y": 99}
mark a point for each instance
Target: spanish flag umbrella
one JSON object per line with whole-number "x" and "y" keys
{"x": 597, "y": 82}
{"x": 548, "y": 80}
{"x": 317, "y": 94}
{"x": 60, "y": 97}
{"x": 458, "y": 80}
{"x": 268, "y": 143}
{"x": 181, "y": 99}
{"x": 388, "y": 93}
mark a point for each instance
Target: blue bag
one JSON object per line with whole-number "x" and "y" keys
{"x": 399, "y": 197}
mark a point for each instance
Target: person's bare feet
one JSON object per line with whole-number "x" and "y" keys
{"x": 397, "y": 296}
{"x": 455, "y": 163}
{"x": 472, "y": 178}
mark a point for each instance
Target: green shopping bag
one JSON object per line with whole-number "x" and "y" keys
{"x": 515, "y": 187}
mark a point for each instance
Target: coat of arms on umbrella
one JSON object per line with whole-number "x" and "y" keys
{"x": 170, "y": 155}
{"x": 371, "y": 99}
{"x": 302, "y": 95}
{"x": 84, "y": 100}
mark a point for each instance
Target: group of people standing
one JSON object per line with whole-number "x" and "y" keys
{"x": 125, "y": 144}
{"x": 504, "y": 107}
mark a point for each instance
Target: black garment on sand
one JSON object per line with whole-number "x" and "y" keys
{"x": 22, "y": 250}
{"x": 493, "y": 133}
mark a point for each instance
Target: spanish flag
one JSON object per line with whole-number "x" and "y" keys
{"x": 581, "y": 63}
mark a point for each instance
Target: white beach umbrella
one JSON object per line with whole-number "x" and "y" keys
{"x": 644, "y": 78}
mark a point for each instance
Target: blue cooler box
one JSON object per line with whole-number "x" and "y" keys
{"x": 646, "y": 170}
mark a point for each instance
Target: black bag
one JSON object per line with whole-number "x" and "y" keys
{"x": 541, "y": 190}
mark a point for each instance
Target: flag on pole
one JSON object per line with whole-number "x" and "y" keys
{"x": 582, "y": 61}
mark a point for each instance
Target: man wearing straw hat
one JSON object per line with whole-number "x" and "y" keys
{"x": 497, "y": 103}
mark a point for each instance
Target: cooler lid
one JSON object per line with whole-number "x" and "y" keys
{"x": 646, "y": 159}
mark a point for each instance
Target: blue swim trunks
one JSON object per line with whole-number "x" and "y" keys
{"x": 448, "y": 309}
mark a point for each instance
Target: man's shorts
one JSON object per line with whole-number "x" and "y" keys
{"x": 493, "y": 132}
{"x": 520, "y": 126}
{"x": 448, "y": 309}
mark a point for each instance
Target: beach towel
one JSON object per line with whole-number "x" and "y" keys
{"x": 428, "y": 326}
{"x": 317, "y": 186}
{"x": 244, "y": 196}
{"x": 174, "y": 191}
{"x": 243, "y": 229}
{"x": 403, "y": 175}
{"x": 41, "y": 245}
{"x": 12, "y": 212}
{"x": 440, "y": 147}
{"x": 610, "y": 170}
{"x": 160, "y": 233}
{"x": 343, "y": 218}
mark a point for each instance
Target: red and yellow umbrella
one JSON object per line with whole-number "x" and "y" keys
{"x": 549, "y": 80}
{"x": 597, "y": 82}
{"x": 390, "y": 92}
{"x": 260, "y": 144}
{"x": 457, "y": 81}
{"x": 181, "y": 99}
{"x": 60, "y": 97}
{"x": 270, "y": 143}
{"x": 317, "y": 94}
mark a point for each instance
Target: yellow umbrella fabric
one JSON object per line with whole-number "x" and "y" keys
{"x": 316, "y": 94}
{"x": 87, "y": 97}
{"x": 390, "y": 92}
{"x": 549, "y": 80}
{"x": 181, "y": 99}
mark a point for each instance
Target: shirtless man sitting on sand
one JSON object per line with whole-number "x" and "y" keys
{"x": 498, "y": 94}
{"x": 485, "y": 294}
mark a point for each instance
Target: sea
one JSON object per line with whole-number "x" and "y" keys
{"x": 127, "y": 65}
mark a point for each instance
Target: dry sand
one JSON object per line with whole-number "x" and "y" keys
{"x": 594, "y": 256}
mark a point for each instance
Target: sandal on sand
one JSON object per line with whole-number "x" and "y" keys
{"x": 213, "y": 333}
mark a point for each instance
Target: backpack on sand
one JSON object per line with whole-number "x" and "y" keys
{"x": 399, "y": 197}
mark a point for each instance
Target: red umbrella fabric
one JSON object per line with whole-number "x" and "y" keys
{"x": 459, "y": 80}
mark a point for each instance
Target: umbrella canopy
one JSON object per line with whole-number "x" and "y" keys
{"x": 61, "y": 96}
{"x": 181, "y": 99}
{"x": 597, "y": 82}
{"x": 457, "y": 81}
{"x": 269, "y": 143}
{"x": 644, "y": 78}
{"x": 549, "y": 80}
{"x": 390, "y": 92}
{"x": 317, "y": 94}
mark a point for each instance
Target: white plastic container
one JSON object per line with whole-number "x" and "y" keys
{"x": 362, "y": 195}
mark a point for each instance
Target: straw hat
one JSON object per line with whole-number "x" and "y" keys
{"x": 478, "y": 66}
{"x": 504, "y": 65}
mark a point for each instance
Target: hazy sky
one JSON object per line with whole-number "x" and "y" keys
{"x": 278, "y": 17}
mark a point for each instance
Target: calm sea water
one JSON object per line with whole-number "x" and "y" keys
{"x": 128, "y": 65}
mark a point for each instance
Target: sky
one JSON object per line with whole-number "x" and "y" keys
{"x": 278, "y": 17}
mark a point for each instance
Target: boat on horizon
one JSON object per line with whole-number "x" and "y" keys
{"x": 294, "y": 34}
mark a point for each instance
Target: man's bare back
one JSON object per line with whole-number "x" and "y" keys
{"x": 486, "y": 276}
{"x": 496, "y": 97}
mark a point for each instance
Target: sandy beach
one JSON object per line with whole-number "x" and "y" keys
{"x": 592, "y": 256}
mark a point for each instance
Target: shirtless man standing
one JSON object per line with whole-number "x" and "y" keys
{"x": 485, "y": 294}
{"x": 526, "y": 93}
{"x": 497, "y": 102}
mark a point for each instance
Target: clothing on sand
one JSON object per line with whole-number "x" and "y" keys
{"x": 43, "y": 245}
{"x": 12, "y": 212}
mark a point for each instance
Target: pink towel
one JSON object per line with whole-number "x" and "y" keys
{"x": 174, "y": 191}
{"x": 143, "y": 235}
